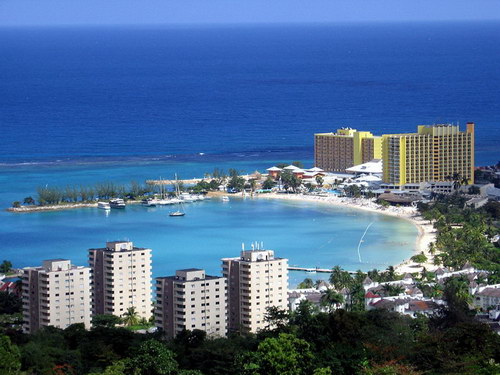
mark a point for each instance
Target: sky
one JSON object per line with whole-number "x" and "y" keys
{"x": 151, "y": 12}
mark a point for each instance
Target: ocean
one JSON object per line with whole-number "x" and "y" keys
{"x": 125, "y": 94}
{"x": 86, "y": 105}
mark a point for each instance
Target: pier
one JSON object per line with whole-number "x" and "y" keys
{"x": 309, "y": 269}
{"x": 315, "y": 269}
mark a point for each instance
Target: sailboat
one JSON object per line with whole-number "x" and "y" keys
{"x": 177, "y": 193}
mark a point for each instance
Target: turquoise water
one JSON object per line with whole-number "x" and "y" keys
{"x": 308, "y": 234}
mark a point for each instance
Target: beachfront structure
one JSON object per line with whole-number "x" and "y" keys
{"x": 256, "y": 281}
{"x": 55, "y": 294}
{"x": 191, "y": 300}
{"x": 121, "y": 279}
{"x": 435, "y": 153}
{"x": 335, "y": 152}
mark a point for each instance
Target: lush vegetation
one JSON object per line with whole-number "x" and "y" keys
{"x": 306, "y": 342}
{"x": 464, "y": 234}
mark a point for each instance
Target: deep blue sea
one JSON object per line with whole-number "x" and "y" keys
{"x": 84, "y": 105}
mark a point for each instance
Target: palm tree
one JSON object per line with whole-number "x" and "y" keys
{"x": 340, "y": 278}
{"x": 391, "y": 273}
{"x": 331, "y": 299}
{"x": 393, "y": 290}
{"x": 130, "y": 317}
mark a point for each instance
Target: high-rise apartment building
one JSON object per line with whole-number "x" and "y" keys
{"x": 191, "y": 300}
{"x": 435, "y": 153}
{"x": 256, "y": 281}
{"x": 121, "y": 279}
{"x": 55, "y": 294}
{"x": 335, "y": 152}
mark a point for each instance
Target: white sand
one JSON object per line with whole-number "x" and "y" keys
{"x": 426, "y": 232}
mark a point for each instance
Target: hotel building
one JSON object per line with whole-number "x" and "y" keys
{"x": 191, "y": 300}
{"x": 335, "y": 152}
{"x": 121, "y": 279}
{"x": 55, "y": 294}
{"x": 435, "y": 153}
{"x": 256, "y": 280}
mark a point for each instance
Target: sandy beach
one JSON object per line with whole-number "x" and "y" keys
{"x": 426, "y": 232}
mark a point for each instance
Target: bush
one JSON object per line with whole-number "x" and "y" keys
{"x": 419, "y": 258}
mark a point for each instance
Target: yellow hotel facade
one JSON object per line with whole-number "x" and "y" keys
{"x": 335, "y": 152}
{"x": 435, "y": 153}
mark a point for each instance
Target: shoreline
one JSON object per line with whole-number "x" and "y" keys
{"x": 426, "y": 232}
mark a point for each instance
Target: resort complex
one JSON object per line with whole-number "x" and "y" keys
{"x": 335, "y": 152}
{"x": 434, "y": 154}
{"x": 426, "y": 178}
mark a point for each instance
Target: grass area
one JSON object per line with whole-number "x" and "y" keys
{"x": 139, "y": 327}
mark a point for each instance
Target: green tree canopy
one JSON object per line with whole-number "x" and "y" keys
{"x": 10, "y": 357}
{"x": 282, "y": 355}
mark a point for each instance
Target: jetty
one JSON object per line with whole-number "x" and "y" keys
{"x": 309, "y": 269}
{"x": 314, "y": 269}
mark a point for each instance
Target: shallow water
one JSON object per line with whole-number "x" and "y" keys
{"x": 308, "y": 234}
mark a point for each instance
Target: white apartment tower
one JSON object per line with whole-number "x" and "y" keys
{"x": 191, "y": 300}
{"x": 256, "y": 281}
{"x": 121, "y": 279}
{"x": 55, "y": 294}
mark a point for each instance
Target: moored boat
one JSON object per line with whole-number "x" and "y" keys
{"x": 117, "y": 203}
{"x": 103, "y": 205}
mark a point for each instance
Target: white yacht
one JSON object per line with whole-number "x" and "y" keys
{"x": 225, "y": 198}
{"x": 150, "y": 202}
{"x": 103, "y": 205}
{"x": 117, "y": 203}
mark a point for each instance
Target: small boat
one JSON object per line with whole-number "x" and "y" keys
{"x": 117, "y": 203}
{"x": 149, "y": 202}
{"x": 225, "y": 198}
{"x": 186, "y": 197}
{"x": 179, "y": 200}
{"x": 103, "y": 205}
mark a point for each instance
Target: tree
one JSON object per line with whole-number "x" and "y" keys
{"x": 306, "y": 284}
{"x": 298, "y": 164}
{"x": 319, "y": 180}
{"x": 117, "y": 368}
{"x": 393, "y": 290}
{"x": 153, "y": 358}
{"x": 276, "y": 318}
{"x": 390, "y": 273}
{"x": 29, "y": 201}
{"x": 340, "y": 279}
{"x": 282, "y": 355}
{"x": 331, "y": 299}
{"x": 130, "y": 317}
{"x": 10, "y": 303}
{"x": 352, "y": 191}
{"x": 419, "y": 258}
{"x": 16, "y": 204}
{"x": 269, "y": 183}
{"x": 10, "y": 357}
{"x": 5, "y": 267}
{"x": 236, "y": 182}
{"x": 105, "y": 320}
{"x": 290, "y": 181}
